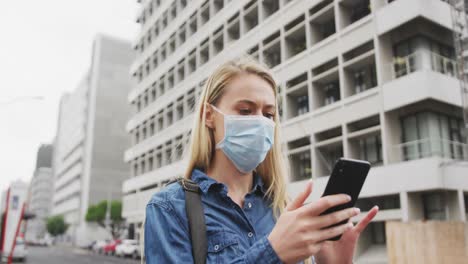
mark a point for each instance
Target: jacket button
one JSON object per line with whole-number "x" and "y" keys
{"x": 250, "y": 234}
{"x": 216, "y": 247}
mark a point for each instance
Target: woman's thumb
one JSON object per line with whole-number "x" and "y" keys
{"x": 300, "y": 199}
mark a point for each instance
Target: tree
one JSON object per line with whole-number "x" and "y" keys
{"x": 116, "y": 211}
{"x": 56, "y": 225}
{"x": 97, "y": 213}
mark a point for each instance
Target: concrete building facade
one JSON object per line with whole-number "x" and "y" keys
{"x": 90, "y": 140}
{"x": 371, "y": 80}
{"x": 40, "y": 194}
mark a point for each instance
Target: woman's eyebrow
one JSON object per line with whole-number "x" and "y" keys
{"x": 252, "y": 103}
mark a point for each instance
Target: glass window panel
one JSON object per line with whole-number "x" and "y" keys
{"x": 423, "y": 134}
{"x": 410, "y": 134}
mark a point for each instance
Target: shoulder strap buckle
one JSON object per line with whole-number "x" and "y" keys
{"x": 189, "y": 185}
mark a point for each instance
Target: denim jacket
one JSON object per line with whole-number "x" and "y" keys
{"x": 234, "y": 234}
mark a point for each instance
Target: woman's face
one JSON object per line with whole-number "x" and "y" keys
{"x": 246, "y": 94}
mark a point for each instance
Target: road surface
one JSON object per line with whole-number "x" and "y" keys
{"x": 62, "y": 255}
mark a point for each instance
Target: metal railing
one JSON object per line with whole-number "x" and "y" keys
{"x": 423, "y": 60}
{"x": 431, "y": 147}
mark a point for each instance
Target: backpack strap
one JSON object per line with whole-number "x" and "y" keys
{"x": 196, "y": 220}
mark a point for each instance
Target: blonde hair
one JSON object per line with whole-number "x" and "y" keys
{"x": 273, "y": 169}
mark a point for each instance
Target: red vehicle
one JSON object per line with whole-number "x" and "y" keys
{"x": 109, "y": 249}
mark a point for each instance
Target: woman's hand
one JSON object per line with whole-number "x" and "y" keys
{"x": 342, "y": 251}
{"x": 299, "y": 234}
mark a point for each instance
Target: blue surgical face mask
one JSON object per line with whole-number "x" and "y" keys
{"x": 247, "y": 139}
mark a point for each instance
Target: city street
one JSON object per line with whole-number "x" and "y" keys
{"x": 61, "y": 255}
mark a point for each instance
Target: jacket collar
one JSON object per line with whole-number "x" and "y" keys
{"x": 206, "y": 182}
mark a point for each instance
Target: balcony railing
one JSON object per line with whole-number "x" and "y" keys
{"x": 423, "y": 60}
{"x": 430, "y": 147}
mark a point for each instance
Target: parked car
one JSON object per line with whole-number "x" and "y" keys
{"x": 109, "y": 248}
{"x": 44, "y": 242}
{"x": 21, "y": 250}
{"x": 98, "y": 247}
{"x": 128, "y": 247}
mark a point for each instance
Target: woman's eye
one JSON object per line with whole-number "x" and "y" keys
{"x": 268, "y": 115}
{"x": 244, "y": 111}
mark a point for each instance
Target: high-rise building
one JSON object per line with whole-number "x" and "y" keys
{"x": 39, "y": 197}
{"x": 44, "y": 156}
{"x": 371, "y": 80}
{"x": 88, "y": 164}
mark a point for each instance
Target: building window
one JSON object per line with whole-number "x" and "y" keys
{"x": 384, "y": 202}
{"x": 332, "y": 93}
{"x": 360, "y": 10}
{"x": 427, "y": 134}
{"x": 160, "y": 121}
{"x": 299, "y": 154}
{"x": 159, "y": 160}
{"x": 169, "y": 157}
{"x": 302, "y": 104}
{"x": 420, "y": 52}
{"x": 322, "y": 22}
{"x": 353, "y": 10}
{"x": 377, "y": 230}
{"x": 169, "y": 115}
{"x": 143, "y": 168}
{"x": 191, "y": 100}
{"x": 371, "y": 149}
{"x": 272, "y": 50}
{"x": 328, "y": 155}
{"x": 305, "y": 170}
{"x": 143, "y": 132}
{"x": 270, "y": 7}
{"x": 365, "y": 78}
{"x": 150, "y": 162}
{"x": 180, "y": 109}
{"x": 179, "y": 148}
{"x": 297, "y": 96}
{"x": 434, "y": 206}
{"x": 135, "y": 168}
{"x": 152, "y": 126}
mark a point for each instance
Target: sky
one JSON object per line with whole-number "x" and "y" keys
{"x": 45, "y": 49}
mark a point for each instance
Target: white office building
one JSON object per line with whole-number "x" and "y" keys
{"x": 40, "y": 194}
{"x": 91, "y": 137}
{"x": 371, "y": 80}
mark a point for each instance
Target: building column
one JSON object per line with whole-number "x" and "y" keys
{"x": 404, "y": 206}
{"x": 462, "y": 205}
{"x": 345, "y": 142}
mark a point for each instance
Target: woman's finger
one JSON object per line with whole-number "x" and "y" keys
{"x": 326, "y": 202}
{"x": 336, "y": 217}
{"x": 366, "y": 220}
{"x": 300, "y": 199}
{"x": 331, "y": 232}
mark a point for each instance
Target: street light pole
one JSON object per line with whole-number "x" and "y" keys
{"x": 21, "y": 98}
{"x": 107, "y": 220}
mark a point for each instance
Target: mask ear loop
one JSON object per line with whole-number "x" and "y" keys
{"x": 217, "y": 109}
{"x": 218, "y": 145}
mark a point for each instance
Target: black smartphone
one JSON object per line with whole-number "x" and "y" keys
{"x": 347, "y": 177}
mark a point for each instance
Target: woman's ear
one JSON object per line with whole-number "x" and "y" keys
{"x": 209, "y": 116}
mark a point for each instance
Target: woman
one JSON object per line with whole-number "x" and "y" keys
{"x": 235, "y": 157}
